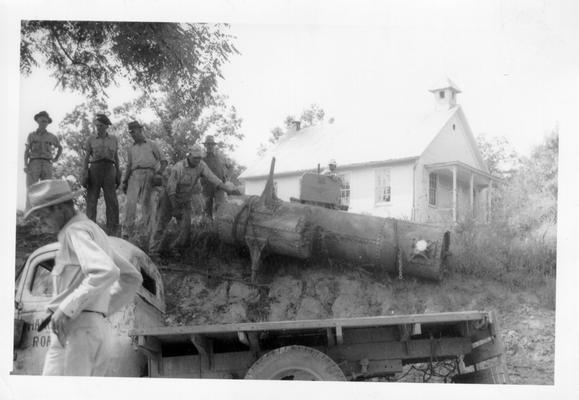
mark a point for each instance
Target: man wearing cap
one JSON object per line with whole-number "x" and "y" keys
{"x": 143, "y": 160}
{"x": 176, "y": 201}
{"x": 39, "y": 152}
{"x": 331, "y": 170}
{"x": 90, "y": 282}
{"x": 217, "y": 164}
{"x": 102, "y": 171}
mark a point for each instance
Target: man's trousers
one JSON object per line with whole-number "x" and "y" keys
{"x": 138, "y": 196}
{"x": 102, "y": 175}
{"x": 165, "y": 212}
{"x": 87, "y": 350}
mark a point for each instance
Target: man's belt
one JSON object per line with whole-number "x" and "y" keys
{"x": 47, "y": 319}
{"x": 40, "y": 158}
{"x": 136, "y": 168}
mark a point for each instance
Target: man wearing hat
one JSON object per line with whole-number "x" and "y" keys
{"x": 218, "y": 165}
{"x": 90, "y": 282}
{"x": 102, "y": 171}
{"x": 176, "y": 201}
{"x": 331, "y": 171}
{"x": 143, "y": 160}
{"x": 39, "y": 152}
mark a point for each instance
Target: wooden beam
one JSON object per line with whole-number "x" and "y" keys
{"x": 472, "y": 194}
{"x": 151, "y": 347}
{"x": 454, "y": 195}
{"x": 488, "y": 375}
{"x": 484, "y": 352}
{"x": 331, "y": 338}
{"x": 339, "y": 335}
{"x": 204, "y": 346}
{"x": 411, "y": 350}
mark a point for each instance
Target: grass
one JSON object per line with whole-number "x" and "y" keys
{"x": 491, "y": 252}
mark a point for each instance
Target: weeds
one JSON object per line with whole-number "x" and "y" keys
{"x": 497, "y": 253}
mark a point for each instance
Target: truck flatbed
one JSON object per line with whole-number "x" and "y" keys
{"x": 381, "y": 344}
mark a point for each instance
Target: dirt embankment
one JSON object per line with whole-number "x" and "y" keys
{"x": 215, "y": 289}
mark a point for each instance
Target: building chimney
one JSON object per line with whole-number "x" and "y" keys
{"x": 296, "y": 125}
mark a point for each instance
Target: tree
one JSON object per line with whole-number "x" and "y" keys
{"x": 309, "y": 117}
{"x": 501, "y": 159}
{"x": 526, "y": 200}
{"x": 87, "y": 56}
{"x": 218, "y": 119}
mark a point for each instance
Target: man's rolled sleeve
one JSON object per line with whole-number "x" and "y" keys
{"x": 99, "y": 270}
{"x": 209, "y": 175}
{"x": 123, "y": 290}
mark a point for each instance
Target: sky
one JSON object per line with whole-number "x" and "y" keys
{"x": 513, "y": 61}
{"x": 516, "y": 62}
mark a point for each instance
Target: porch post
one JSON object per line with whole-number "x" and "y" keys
{"x": 472, "y": 195}
{"x": 454, "y": 195}
{"x": 489, "y": 200}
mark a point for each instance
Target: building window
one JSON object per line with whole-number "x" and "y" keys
{"x": 432, "y": 189}
{"x": 441, "y": 94}
{"x": 344, "y": 189}
{"x": 383, "y": 190}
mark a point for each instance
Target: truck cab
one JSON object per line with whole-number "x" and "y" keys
{"x": 34, "y": 290}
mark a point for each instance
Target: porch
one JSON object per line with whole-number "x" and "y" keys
{"x": 456, "y": 192}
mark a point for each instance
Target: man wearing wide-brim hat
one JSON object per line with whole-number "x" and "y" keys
{"x": 39, "y": 152}
{"x": 102, "y": 171}
{"x": 91, "y": 281}
{"x": 218, "y": 164}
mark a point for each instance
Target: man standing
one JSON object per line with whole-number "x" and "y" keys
{"x": 90, "y": 282}
{"x": 143, "y": 160}
{"x": 331, "y": 170}
{"x": 39, "y": 152}
{"x": 104, "y": 173}
{"x": 176, "y": 201}
{"x": 217, "y": 164}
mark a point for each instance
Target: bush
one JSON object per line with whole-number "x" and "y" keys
{"x": 498, "y": 253}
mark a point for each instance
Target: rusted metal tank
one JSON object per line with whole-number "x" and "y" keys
{"x": 267, "y": 224}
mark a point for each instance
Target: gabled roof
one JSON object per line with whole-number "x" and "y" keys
{"x": 393, "y": 138}
{"x": 444, "y": 83}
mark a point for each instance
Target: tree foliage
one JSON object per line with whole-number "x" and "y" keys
{"x": 525, "y": 201}
{"x": 309, "y": 117}
{"x": 500, "y": 157}
{"x": 218, "y": 119}
{"x": 89, "y": 57}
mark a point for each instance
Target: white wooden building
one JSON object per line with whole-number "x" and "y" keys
{"x": 426, "y": 171}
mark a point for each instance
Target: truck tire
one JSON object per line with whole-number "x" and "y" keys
{"x": 298, "y": 363}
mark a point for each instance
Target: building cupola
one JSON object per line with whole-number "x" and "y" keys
{"x": 445, "y": 93}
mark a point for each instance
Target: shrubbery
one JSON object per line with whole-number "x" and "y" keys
{"x": 519, "y": 246}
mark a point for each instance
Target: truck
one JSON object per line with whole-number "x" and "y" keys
{"x": 465, "y": 344}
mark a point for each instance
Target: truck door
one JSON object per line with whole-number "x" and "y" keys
{"x": 33, "y": 292}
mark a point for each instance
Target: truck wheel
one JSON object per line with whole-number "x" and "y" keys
{"x": 297, "y": 363}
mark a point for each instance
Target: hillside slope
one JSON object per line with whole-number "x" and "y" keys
{"x": 210, "y": 284}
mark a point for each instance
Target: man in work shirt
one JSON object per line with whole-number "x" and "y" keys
{"x": 143, "y": 160}
{"x": 90, "y": 282}
{"x": 217, "y": 163}
{"x": 39, "y": 152}
{"x": 176, "y": 201}
{"x": 104, "y": 173}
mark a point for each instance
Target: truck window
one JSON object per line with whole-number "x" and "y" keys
{"x": 41, "y": 285}
{"x": 148, "y": 282}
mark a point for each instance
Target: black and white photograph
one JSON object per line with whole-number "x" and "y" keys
{"x": 380, "y": 196}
